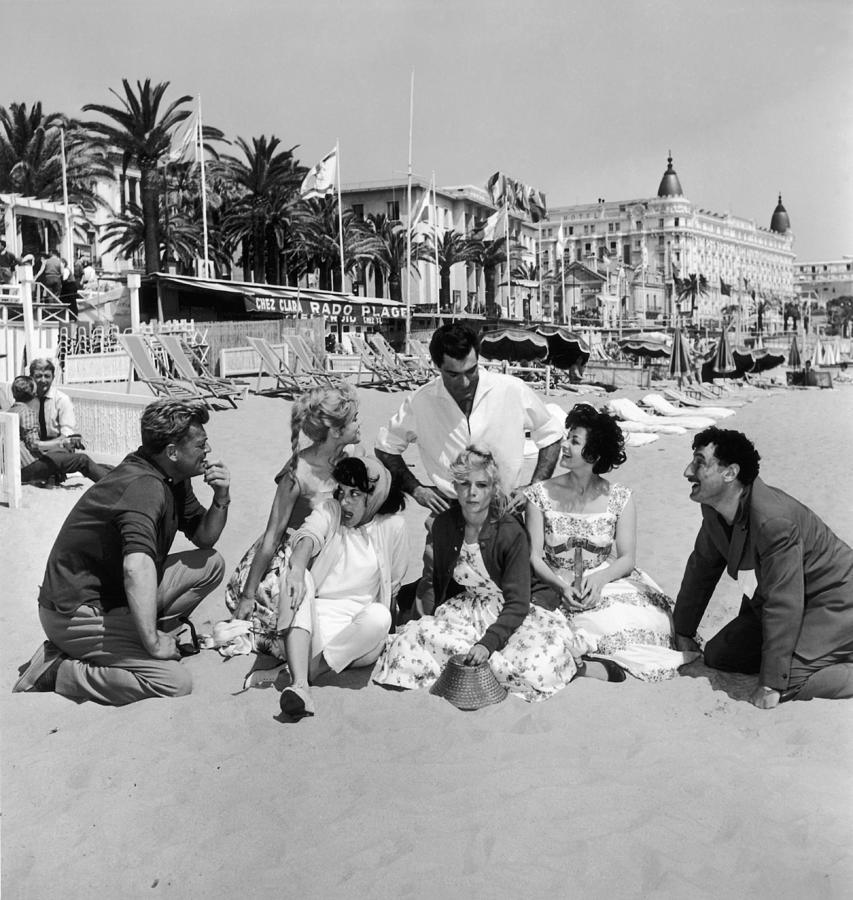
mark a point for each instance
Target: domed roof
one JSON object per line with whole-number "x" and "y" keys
{"x": 670, "y": 186}
{"x": 780, "y": 223}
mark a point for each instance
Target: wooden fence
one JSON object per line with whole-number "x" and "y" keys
{"x": 231, "y": 335}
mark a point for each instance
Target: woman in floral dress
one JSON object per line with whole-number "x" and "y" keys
{"x": 583, "y": 532}
{"x": 481, "y": 579}
{"x": 328, "y": 417}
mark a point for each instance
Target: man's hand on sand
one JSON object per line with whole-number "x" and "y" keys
{"x": 165, "y": 648}
{"x": 764, "y": 697}
{"x": 430, "y": 498}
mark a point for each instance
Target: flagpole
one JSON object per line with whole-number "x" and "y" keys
{"x": 409, "y": 217}
{"x": 435, "y": 242}
{"x": 340, "y": 213}
{"x": 508, "y": 264}
{"x": 69, "y": 238}
{"x": 203, "y": 191}
{"x": 539, "y": 262}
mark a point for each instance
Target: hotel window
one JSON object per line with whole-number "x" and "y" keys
{"x": 587, "y": 248}
{"x": 358, "y": 211}
{"x": 677, "y": 221}
{"x": 639, "y": 224}
{"x": 392, "y": 209}
{"x": 660, "y": 223}
{"x": 613, "y": 246}
{"x": 571, "y": 229}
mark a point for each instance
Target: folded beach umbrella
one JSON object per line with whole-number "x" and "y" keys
{"x": 794, "y": 359}
{"x": 565, "y": 347}
{"x": 723, "y": 360}
{"x": 679, "y": 359}
{"x": 514, "y": 345}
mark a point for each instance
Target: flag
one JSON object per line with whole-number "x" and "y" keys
{"x": 183, "y": 144}
{"x": 495, "y": 228}
{"x": 725, "y": 289}
{"x": 420, "y": 209}
{"x": 645, "y": 255}
{"x": 561, "y": 242}
{"x": 321, "y": 178}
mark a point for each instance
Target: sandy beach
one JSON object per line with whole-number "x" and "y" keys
{"x": 680, "y": 789}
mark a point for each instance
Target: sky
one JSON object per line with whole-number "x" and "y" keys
{"x": 579, "y": 98}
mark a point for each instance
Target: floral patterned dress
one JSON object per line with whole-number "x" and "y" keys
{"x": 314, "y": 488}
{"x": 632, "y": 622}
{"x": 537, "y": 660}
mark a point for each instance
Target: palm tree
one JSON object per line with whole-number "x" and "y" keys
{"x": 691, "y": 288}
{"x": 317, "y": 243}
{"x": 31, "y": 161}
{"x": 384, "y": 244}
{"x": 142, "y": 133}
{"x": 488, "y": 255}
{"x": 264, "y": 188}
{"x": 453, "y": 248}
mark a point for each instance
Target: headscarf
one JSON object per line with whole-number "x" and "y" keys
{"x": 379, "y": 476}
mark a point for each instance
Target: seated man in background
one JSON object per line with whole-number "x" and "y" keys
{"x": 49, "y": 459}
{"x": 53, "y": 408}
{"x": 111, "y": 590}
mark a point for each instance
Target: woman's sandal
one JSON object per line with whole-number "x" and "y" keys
{"x": 296, "y": 702}
{"x": 615, "y": 672}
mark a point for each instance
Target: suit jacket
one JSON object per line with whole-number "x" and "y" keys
{"x": 804, "y": 597}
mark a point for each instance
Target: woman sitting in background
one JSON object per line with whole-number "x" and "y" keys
{"x": 329, "y": 418}
{"x": 338, "y": 612}
{"x": 583, "y": 534}
{"x": 481, "y": 579}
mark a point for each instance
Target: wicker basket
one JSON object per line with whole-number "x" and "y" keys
{"x": 468, "y": 687}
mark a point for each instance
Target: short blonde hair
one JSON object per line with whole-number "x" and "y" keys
{"x": 477, "y": 457}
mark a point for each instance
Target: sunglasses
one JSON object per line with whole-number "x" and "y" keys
{"x": 193, "y": 647}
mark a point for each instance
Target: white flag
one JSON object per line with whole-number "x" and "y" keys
{"x": 321, "y": 179}
{"x": 420, "y": 209}
{"x": 645, "y": 255}
{"x": 183, "y": 145}
{"x": 561, "y": 242}
{"x": 495, "y": 227}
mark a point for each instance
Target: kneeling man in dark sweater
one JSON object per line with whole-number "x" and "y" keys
{"x": 112, "y": 592}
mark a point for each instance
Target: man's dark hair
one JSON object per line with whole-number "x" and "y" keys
{"x": 23, "y": 389}
{"x": 731, "y": 448}
{"x": 456, "y": 340}
{"x": 168, "y": 421}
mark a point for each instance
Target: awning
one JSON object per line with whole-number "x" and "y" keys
{"x": 288, "y": 302}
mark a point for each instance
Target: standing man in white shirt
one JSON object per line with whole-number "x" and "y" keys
{"x": 465, "y": 405}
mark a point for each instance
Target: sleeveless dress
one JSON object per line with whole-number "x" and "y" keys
{"x": 632, "y": 622}
{"x": 314, "y": 489}
{"x": 537, "y": 660}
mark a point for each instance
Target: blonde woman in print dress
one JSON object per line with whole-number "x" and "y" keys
{"x": 583, "y": 531}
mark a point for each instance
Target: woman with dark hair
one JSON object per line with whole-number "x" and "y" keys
{"x": 345, "y": 567}
{"x": 481, "y": 580}
{"x": 583, "y": 534}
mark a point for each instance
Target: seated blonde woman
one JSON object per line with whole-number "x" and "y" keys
{"x": 345, "y": 568}
{"x": 481, "y": 579}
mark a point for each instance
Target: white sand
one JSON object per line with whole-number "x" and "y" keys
{"x": 680, "y": 789}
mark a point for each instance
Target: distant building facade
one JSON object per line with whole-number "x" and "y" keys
{"x": 463, "y": 209}
{"x": 824, "y": 281}
{"x": 642, "y": 246}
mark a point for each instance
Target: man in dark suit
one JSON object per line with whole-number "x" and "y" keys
{"x": 795, "y": 629}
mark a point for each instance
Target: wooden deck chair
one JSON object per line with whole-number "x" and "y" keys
{"x": 418, "y": 351}
{"x": 147, "y": 372}
{"x": 190, "y": 368}
{"x": 306, "y": 364}
{"x": 380, "y": 374}
{"x": 286, "y": 380}
{"x": 405, "y": 373}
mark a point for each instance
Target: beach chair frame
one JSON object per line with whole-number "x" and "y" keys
{"x": 286, "y": 380}
{"x": 191, "y": 369}
{"x": 142, "y": 363}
